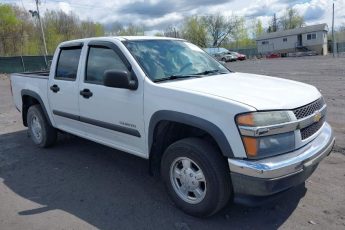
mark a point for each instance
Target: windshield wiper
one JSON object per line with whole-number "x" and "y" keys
{"x": 173, "y": 77}
{"x": 210, "y": 71}
{"x": 197, "y": 75}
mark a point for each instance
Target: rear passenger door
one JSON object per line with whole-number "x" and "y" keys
{"x": 112, "y": 116}
{"x": 63, "y": 93}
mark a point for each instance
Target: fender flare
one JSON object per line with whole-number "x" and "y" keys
{"x": 207, "y": 126}
{"x": 26, "y": 92}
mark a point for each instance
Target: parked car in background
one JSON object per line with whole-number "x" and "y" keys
{"x": 225, "y": 57}
{"x": 273, "y": 55}
{"x": 221, "y": 54}
{"x": 239, "y": 56}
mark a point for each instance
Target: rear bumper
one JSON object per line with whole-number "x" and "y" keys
{"x": 276, "y": 174}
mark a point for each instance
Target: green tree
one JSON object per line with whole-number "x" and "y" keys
{"x": 291, "y": 19}
{"x": 99, "y": 30}
{"x": 240, "y": 35}
{"x": 28, "y": 37}
{"x": 60, "y": 27}
{"x": 8, "y": 28}
{"x": 20, "y": 32}
{"x": 259, "y": 29}
{"x": 159, "y": 34}
{"x": 194, "y": 30}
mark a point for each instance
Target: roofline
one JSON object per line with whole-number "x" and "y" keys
{"x": 260, "y": 39}
{"x": 292, "y": 34}
{"x": 121, "y": 38}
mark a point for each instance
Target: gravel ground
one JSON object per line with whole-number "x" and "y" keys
{"x": 82, "y": 185}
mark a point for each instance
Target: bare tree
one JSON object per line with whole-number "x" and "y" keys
{"x": 115, "y": 28}
{"x": 172, "y": 32}
{"x": 219, "y": 27}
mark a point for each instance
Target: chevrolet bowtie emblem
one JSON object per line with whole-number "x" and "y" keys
{"x": 317, "y": 116}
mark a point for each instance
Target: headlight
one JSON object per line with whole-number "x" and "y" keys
{"x": 263, "y": 118}
{"x": 259, "y": 147}
{"x": 253, "y": 127}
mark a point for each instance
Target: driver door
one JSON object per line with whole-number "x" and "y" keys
{"x": 112, "y": 116}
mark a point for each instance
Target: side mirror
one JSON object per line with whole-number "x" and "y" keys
{"x": 119, "y": 79}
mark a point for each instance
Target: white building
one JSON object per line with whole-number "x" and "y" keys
{"x": 313, "y": 38}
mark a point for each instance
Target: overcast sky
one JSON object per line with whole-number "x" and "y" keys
{"x": 159, "y": 14}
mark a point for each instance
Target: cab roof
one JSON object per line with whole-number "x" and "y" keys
{"x": 120, "y": 38}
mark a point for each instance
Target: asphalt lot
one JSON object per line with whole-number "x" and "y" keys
{"x": 78, "y": 184}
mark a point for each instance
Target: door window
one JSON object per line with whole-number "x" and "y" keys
{"x": 101, "y": 59}
{"x": 67, "y": 66}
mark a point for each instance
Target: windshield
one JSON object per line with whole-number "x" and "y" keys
{"x": 168, "y": 59}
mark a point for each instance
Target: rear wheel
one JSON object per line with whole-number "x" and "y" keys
{"x": 41, "y": 132}
{"x": 196, "y": 177}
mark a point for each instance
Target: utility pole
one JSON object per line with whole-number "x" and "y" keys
{"x": 274, "y": 24}
{"x": 333, "y": 34}
{"x": 43, "y": 37}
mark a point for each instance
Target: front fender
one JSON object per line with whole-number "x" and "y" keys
{"x": 207, "y": 126}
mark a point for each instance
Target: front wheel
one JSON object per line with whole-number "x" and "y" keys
{"x": 41, "y": 132}
{"x": 196, "y": 177}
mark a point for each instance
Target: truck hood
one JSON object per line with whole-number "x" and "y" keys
{"x": 258, "y": 91}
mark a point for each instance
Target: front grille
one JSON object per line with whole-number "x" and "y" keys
{"x": 311, "y": 129}
{"x": 309, "y": 109}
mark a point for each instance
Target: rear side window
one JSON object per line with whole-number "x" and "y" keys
{"x": 67, "y": 66}
{"x": 99, "y": 60}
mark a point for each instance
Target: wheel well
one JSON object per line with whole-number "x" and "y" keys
{"x": 27, "y": 102}
{"x": 168, "y": 132}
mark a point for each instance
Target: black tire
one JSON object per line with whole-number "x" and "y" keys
{"x": 48, "y": 133}
{"x": 223, "y": 59}
{"x": 215, "y": 171}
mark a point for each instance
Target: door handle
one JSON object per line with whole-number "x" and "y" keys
{"x": 86, "y": 93}
{"x": 55, "y": 88}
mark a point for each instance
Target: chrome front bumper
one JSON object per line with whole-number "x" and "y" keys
{"x": 290, "y": 163}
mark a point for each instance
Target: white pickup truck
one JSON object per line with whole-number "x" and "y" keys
{"x": 211, "y": 134}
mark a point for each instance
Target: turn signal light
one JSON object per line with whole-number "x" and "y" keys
{"x": 246, "y": 119}
{"x": 251, "y": 146}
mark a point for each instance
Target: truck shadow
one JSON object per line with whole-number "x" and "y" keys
{"x": 110, "y": 189}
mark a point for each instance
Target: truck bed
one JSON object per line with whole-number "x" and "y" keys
{"x": 35, "y": 82}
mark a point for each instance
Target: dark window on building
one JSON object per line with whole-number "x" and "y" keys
{"x": 67, "y": 66}
{"x": 311, "y": 36}
{"x": 99, "y": 60}
{"x": 284, "y": 39}
{"x": 264, "y": 42}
